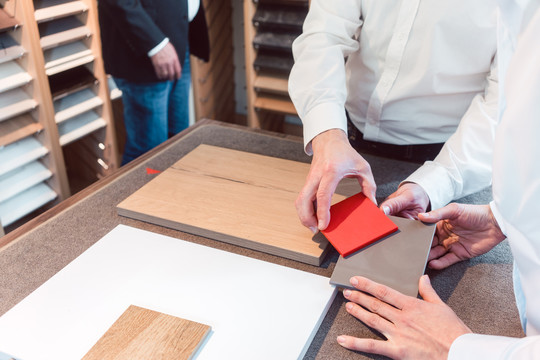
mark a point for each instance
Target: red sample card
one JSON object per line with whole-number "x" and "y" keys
{"x": 355, "y": 223}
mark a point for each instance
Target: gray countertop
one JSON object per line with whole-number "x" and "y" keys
{"x": 480, "y": 290}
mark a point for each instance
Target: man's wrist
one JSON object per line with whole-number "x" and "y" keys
{"x": 328, "y": 136}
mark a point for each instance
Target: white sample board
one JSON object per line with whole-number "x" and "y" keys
{"x": 257, "y": 310}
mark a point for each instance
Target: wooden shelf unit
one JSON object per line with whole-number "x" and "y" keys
{"x": 269, "y": 30}
{"x": 43, "y": 39}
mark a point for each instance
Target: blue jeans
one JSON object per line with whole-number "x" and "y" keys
{"x": 154, "y": 112}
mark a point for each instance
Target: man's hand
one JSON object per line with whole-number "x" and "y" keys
{"x": 408, "y": 201}
{"x": 463, "y": 232}
{"x": 415, "y": 329}
{"x": 166, "y": 63}
{"x": 333, "y": 159}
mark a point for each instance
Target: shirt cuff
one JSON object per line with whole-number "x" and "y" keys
{"x": 158, "y": 47}
{"x": 498, "y": 216}
{"x": 321, "y": 118}
{"x": 435, "y": 181}
{"x": 476, "y": 346}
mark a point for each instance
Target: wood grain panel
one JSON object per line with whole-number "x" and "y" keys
{"x": 142, "y": 334}
{"x": 232, "y": 196}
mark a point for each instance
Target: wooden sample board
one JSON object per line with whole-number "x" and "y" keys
{"x": 397, "y": 260}
{"x": 233, "y": 196}
{"x": 142, "y": 334}
{"x": 248, "y": 303}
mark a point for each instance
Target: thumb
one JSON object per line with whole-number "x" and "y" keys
{"x": 451, "y": 211}
{"x": 391, "y": 206}
{"x": 426, "y": 290}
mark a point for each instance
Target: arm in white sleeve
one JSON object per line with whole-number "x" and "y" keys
{"x": 317, "y": 83}
{"x": 516, "y": 194}
{"x": 464, "y": 164}
{"x": 479, "y": 347}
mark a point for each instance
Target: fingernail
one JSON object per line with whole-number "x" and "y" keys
{"x": 347, "y": 293}
{"x": 349, "y": 306}
{"x": 320, "y": 224}
{"x": 341, "y": 339}
{"x": 426, "y": 280}
{"x": 353, "y": 281}
{"x": 314, "y": 230}
{"x": 424, "y": 214}
{"x": 386, "y": 210}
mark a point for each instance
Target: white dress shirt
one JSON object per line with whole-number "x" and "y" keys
{"x": 413, "y": 67}
{"x": 516, "y": 182}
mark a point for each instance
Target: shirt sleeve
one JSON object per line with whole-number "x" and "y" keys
{"x": 136, "y": 25}
{"x": 317, "y": 83}
{"x": 464, "y": 165}
{"x": 478, "y": 347}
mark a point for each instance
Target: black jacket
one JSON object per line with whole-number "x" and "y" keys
{"x": 131, "y": 28}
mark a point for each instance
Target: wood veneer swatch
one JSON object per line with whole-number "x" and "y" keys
{"x": 18, "y": 128}
{"x": 232, "y": 196}
{"x": 355, "y": 223}
{"x": 7, "y": 22}
{"x": 397, "y": 260}
{"x": 142, "y": 334}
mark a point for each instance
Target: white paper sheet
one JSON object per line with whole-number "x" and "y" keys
{"x": 257, "y": 310}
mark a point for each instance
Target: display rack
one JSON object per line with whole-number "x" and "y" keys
{"x": 213, "y": 81}
{"x": 270, "y": 27}
{"x": 56, "y": 128}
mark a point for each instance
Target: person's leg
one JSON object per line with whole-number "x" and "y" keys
{"x": 145, "y": 116}
{"x": 179, "y": 100}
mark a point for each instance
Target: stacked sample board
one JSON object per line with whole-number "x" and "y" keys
{"x": 55, "y": 117}
{"x": 232, "y": 196}
{"x": 270, "y": 27}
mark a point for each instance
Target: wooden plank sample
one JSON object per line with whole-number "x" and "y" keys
{"x": 65, "y": 57}
{"x": 79, "y": 126}
{"x": 20, "y": 153}
{"x": 12, "y": 76}
{"x": 24, "y": 203}
{"x": 18, "y": 128}
{"x": 9, "y": 48}
{"x": 15, "y": 102}
{"x": 7, "y": 22}
{"x": 75, "y": 104}
{"x": 21, "y": 179}
{"x": 142, "y": 334}
{"x": 232, "y": 196}
{"x": 50, "y": 9}
{"x": 397, "y": 260}
{"x": 355, "y": 223}
{"x": 62, "y": 31}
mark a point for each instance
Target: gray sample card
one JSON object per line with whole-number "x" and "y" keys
{"x": 397, "y": 260}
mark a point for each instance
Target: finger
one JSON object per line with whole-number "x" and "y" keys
{"x": 305, "y": 208}
{"x": 171, "y": 72}
{"x": 326, "y": 190}
{"x": 369, "y": 188}
{"x": 450, "y": 211}
{"x": 426, "y": 290}
{"x": 444, "y": 262}
{"x": 372, "y": 320}
{"x": 371, "y": 346}
{"x": 436, "y": 252}
{"x": 381, "y": 292}
{"x": 372, "y": 304}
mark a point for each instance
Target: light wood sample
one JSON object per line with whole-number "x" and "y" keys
{"x": 233, "y": 196}
{"x": 145, "y": 334}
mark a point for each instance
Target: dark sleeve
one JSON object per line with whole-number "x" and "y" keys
{"x": 134, "y": 22}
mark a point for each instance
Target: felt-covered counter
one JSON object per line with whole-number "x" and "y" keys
{"x": 480, "y": 290}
